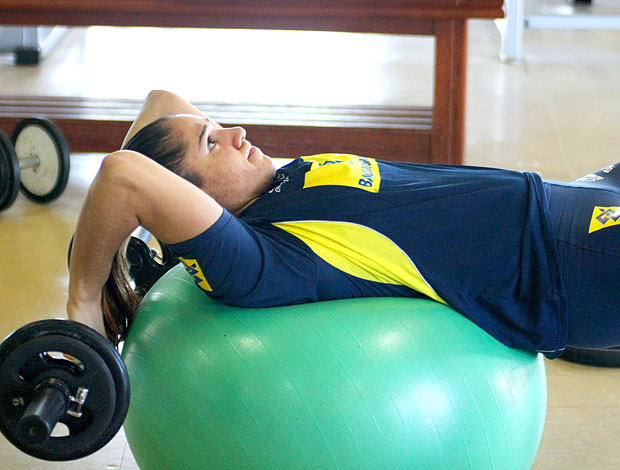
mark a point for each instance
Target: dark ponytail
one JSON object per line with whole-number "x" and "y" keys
{"x": 119, "y": 302}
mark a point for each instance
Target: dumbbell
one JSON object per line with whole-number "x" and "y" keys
{"x": 64, "y": 390}
{"x": 36, "y": 160}
{"x": 146, "y": 265}
{"x": 60, "y": 371}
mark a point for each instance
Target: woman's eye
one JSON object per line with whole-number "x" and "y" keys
{"x": 210, "y": 143}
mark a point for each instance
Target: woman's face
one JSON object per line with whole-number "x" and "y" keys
{"x": 234, "y": 172}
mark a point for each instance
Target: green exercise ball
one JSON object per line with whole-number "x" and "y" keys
{"x": 379, "y": 383}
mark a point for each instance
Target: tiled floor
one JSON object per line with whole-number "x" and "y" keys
{"x": 558, "y": 114}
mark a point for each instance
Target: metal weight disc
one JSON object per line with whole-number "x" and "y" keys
{"x": 39, "y": 138}
{"x": 9, "y": 172}
{"x": 77, "y": 356}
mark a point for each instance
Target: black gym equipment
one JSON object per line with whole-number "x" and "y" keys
{"x": 60, "y": 371}
{"x": 609, "y": 357}
{"x": 146, "y": 265}
{"x": 37, "y": 161}
{"x": 9, "y": 172}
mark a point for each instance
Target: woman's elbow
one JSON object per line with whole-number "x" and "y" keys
{"x": 119, "y": 168}
{"x": 162, "y": 100}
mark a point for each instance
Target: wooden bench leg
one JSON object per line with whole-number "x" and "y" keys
{"x": 448, "y": 139}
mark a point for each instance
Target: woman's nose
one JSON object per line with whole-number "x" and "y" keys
{"x": 234, "y": 136}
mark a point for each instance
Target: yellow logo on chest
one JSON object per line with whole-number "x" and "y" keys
{"x": 338, "y": 169}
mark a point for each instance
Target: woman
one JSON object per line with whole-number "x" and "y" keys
{"x": 518, "y": 256}
{"x": 132, "y": 190}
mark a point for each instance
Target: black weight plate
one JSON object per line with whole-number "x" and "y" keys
{"x": 9, "y": 172}
{"x": 41, "y": 138}
{"x": 22, "y": 366}
{"x": 21, "y": 372}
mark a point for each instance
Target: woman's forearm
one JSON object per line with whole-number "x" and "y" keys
{"x": 106, "y": 220}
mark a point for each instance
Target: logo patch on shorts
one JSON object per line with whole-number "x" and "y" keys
{"x": 604, "y": 217}
{"x": 193, "y": 268}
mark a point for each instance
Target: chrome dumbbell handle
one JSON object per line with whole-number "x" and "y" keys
{"x": 30, "y": 162}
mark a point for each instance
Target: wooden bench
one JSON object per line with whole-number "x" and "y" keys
{"x": 421, "y": 134}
